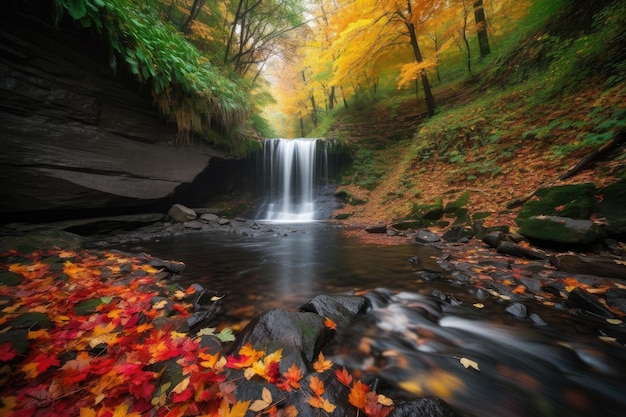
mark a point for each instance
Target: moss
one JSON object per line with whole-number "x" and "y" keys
{"x": 461, "y": 202}
{"x": 428, "y": 211}
{"x": 575, "y": 201}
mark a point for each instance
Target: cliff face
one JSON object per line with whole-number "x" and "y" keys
{"x": 73, "y": 134}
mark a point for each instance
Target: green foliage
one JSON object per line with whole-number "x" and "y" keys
{"x": 186, "y": 86}
{"x": 367, "y": 169}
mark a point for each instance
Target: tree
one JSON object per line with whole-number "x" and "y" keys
{"x": 481, "y": 28}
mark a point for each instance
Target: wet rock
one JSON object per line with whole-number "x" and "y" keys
{"x": 561, "y": 230}
{"x": 430, "y": 276}
{"x": 181, "y": 214}
{"x": 581, "y": 264}
{"x": 223, "y": 222}
{"x": 209, "y": 217}
{"x": 458, "y": 234}
{"x": 616, "y": 298}
{"x": 510, "y": 248}
{"x": 378, "y": 228}
{"x": 426, "y": 236}
{"x": 279, "y": 328}
{"x": 194, "y": 224}
{"x": 339, "y": 308}
{"x": 585, "y": 301}
{"x": 392, "y": 232}
{"x": 537, "y": 320}
{"x": 174, "y": 267}
{"x": 517, "y": 310}
{"x": 494, "y": 238}
{"x": 423, "y": 407}
{"x": 533, "y": 284}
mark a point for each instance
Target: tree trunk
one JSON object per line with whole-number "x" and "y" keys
{"x": 314, "y": 111}
{"x": 430, "y": 101}
{"x": 193, "y": 14}
{"x": 481, "y": 28}
{"x": 331, "y": 98}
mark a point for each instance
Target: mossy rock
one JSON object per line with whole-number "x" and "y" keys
{"x": 459, "y": 203}
{"x": 428, "y": 211}
{"x": 561, "y": 230}
{"x": 462, "y": 216}
{"x": 612, "y": 207}
{"x": 343, "y": 216}
{"x": 408, "y": 224}
{"x": 10, "y": 279}
{"x": 574, "y": 201}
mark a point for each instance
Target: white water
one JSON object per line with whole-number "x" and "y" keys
{"x": 290, "y": 179}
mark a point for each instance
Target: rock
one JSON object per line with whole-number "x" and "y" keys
{"x": 339, "y": 308}
{"x": 76, "y": 134}
{"x": 279, "y": 328}
{"x": 458, "y": 234}
{"x": 378, "y": 228}
{"x": 423, "y": 407}
{"x": 428, "y": 211}
{"x": 223, "y": 222}
{"x": 581, "y": 264}
{"x": 537, "y": 320}
{"x": 181, "y": 214}
{"x": 194, "y": 224}
{"x": 616, "y": 298}
{"x": 510, "y": 248}
{"x": 209, "y": 217}
{"x": 517, "y": 310}
{"x": 611, "y": 208}
{"x": 575, "y": 201}
{"x": 408, "y": 224}
{"x": 561, "y": 229}
{"x": 494, "y": 238}
{"x": 454, "y": 206}
{"x": 587, "y": 302}
{"x": 426, "y": 236}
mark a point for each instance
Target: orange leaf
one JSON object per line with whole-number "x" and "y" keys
{"x": 322, "y": 365}
{"x": 292, "y": 377}
{"x": 358, "y": 395}
{"x": 344, "y": 377}
{"x": 317, "y": 386}
{"x": 330, "y": 324}
{"x": 322, "y": 403}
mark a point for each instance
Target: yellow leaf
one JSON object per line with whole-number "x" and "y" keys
{"x": 384, "y": 400}
{"x": 262, "y": 404}
{"x": 87, "y": 412}
{"x": 614, "y": 321}
{"x": 479, "y": 305}
{"x": 237, "y": 410}
{"x": 438, "y": 383}
{"x": 468, "y": 363}
{"x": 159, "y": 305}
{"x": 182, "y": 385}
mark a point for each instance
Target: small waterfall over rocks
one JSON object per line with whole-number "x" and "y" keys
{"x": 296, "y": 179}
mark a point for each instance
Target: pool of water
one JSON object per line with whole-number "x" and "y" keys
{"x": 416, "y": 342}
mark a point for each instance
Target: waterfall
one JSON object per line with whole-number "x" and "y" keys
{"x": 294, "y": 180}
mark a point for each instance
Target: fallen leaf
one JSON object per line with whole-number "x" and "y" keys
{"x": 321, "y": 364}
{"x": 614, "y": 321}
{"x": 468, "y": 363}
{"x": 263, "y": 403}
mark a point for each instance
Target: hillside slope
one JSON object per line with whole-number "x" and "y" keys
{"x": 520, "y": 124}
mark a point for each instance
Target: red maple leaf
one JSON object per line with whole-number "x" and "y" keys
{"x": 7, "y": 352}
{"x": 344, "y": 377}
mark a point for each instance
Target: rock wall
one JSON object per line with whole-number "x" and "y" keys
{"x": 73, "y": 133}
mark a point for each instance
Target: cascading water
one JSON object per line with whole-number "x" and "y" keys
{"x": 294, "y": 180}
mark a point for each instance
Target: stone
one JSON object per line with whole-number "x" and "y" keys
{"x": 209, "y": 217}
{"x": 537, "y": 320}
{"x": 492, "y": 239}
{"x": 458, "y": 234}
{"x": 428, "y": 211}
{"x": 517, "y": 310}
{"x": 611, "y": 208}
{"x": 616, "y": 298}
{"x": 377, "y": 228}
{"x": 510, "y": 248}
{"x": 426, "y": 236}
{"x": 575, "y": 201}
{"x": 589, "y": 265}
{"x": 277, "y": 328}
{"x": 223, "y": 222}
{"x": 194, "y": 224}
{"x": 587, "y": 302}
{"x": 561, "y": 230}
{"x": 181, "y": 214}
{"x": 339, "y": 308}
{"x": 423, "y": 407}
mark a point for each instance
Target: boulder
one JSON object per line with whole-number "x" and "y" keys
{"x": 339, "y": 308}
{"x": 458, "y": 234}
{"x": 560, "y": 229}
{"x": 575, "y": 201}
{"x": 510, "y": 248}
{"x": 587, "y": 302}
{"x": 611, "y": 207}
{"x": 181, "y": 214}
{"x": 426, "y": 236}
{"x": 376, "y": 228}
{"x": 589, "y": 265}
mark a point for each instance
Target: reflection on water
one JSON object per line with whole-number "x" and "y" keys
{"x": 411, "y": 339}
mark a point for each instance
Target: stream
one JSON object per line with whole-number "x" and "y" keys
{"x": 423, "y": 338}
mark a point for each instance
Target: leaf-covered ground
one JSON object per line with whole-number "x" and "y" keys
{"x": 98, "y": 333}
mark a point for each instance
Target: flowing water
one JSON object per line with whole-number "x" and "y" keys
{"x": 422, "y": 337}
{"x": 411, "y": 338}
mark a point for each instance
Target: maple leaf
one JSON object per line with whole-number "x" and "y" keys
{"x": 39, "y": 364}
{"x": 269, "y": 367}
{"x": 292, "y": 378}
{"x": 322, "y": 403}
{"x": 237, "y": 410}
{"x": 343, "y": 376}
{"x": 358, "y": 395}
{"x": 246, "y": 356}
{"x": 321, "y": 364}
{"x": 317, "y": 386}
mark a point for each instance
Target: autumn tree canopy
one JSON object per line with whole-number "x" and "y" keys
{"x": 348, "y": 48}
